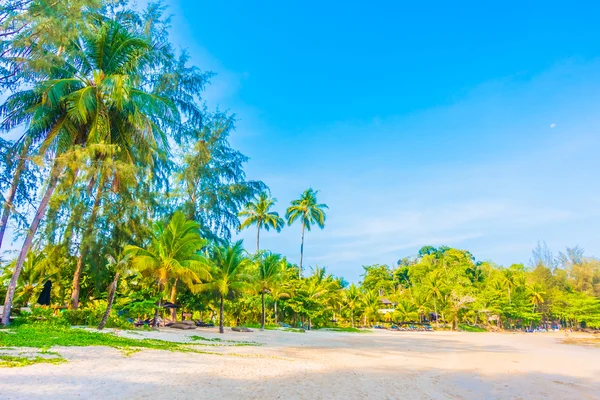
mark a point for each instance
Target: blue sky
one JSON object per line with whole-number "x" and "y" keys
{"x": 471, "y": 125}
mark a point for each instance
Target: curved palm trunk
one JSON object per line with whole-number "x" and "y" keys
{"x": 172, "y": 300}
{"x": 262, "y": 328}
{"x": 437, "y": 320}
{"x": 85, "y": 246}
{"x": 221, "y": 312}
{"x": 257, "y": 238}
{"x": 112, "y": 290}
{"x": 301, "y": 251}
{"x": 10, "y": 292}
{"x": 8, "y": 205}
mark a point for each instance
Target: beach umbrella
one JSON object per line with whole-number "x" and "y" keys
{"x": 44, "y": 299}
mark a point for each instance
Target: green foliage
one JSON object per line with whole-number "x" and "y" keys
{"x": 257, "y": 212}
{"x": 471, "y": 328}
{"x": 43, "y": 317}
{"x": 307, "y": 209}
{"x": 91, "y": 316}
{"x": 112, "y": 125}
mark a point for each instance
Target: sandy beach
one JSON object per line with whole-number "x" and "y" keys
{"x": 323, "y": 365}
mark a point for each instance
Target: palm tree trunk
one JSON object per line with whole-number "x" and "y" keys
{"x": 262, "y": 328}
{"x": 257, "y": 238}
{"x": 85, "y": 246}
{"x": 352, "y": 317}
{"x": 437, "y": 320}
{"x": 301, "y": 250}
{"x": 10, "y": 292}
{"x": 173, "y": 298}
{"x": 8, "y": 205}
{"x": 112, "y": 290}
{"x": 275, "y": 310}
{"x": 221, "y": 312}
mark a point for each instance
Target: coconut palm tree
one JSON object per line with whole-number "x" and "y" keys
{"x": 280, "y": 290}
{"x": 372, "y": 303}
{"x": 420, "y": 298}
{"x": 310, "y": 213}
{"x": 229, "y": 265}
{"x": 269, "y": 274}
{"x": 172, "y": 255}
{"x": 257, "y": 212}
{"x": 434, "y": 284}
{"x": 405, "y": 311}
{"x": 536, "y": 295}
{"x": 352, "y": 300}
{"x": 316, "y": 291}
{"x": 122, "y": 266}
{"x": 100, "y": 94}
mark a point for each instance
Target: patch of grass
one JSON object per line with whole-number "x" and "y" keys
{"x": 227, "y": 342}
{"x": 7, "y": 361}
{"x": 43, "y": 338}
{"x": 268, "y": 327}
{"x": 296, "y": 330}
{"x": 471, "y": 328}
{"x": 345, "y": 329}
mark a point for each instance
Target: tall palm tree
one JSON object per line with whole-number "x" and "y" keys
{"x": 352, "y": 300}
{"x": 316, "y": 290}
{"x": 122, "y": 266}
{"x": 269, "y": 274}
{"x": 279, "y": 291}
{"x": 172, "y": 255}
{"x": 435, "y": 285}
{"x": 420, "y": 298}
{"x": 229, "y": 274}
{"x": 100, "y": 94}
{"x": 257, "y": 213}
{"x": 406, "y": 311}
{"x": 372, "y": 303}
{"x": 536, "y": 295}
{"x": 8, "y": 206}
{"x": 309, "y": 211}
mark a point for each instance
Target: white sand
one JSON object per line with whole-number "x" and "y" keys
{"x": 323, "y": 365}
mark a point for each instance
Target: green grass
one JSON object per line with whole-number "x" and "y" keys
{"x": 296, "y": 330}
{"x": 469, "y": 328}
{"x": 268, "y": 327}
{"x": 346, "y": 329}
{"x": 46, "y": 337}
{"x": 225, "y": 342}
{"x": 7, "y": 361}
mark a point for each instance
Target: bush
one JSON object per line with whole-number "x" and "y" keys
{"x": 92, "y": 314}
{"x": 41, "y": 316}
{"x": 471, "y": 328}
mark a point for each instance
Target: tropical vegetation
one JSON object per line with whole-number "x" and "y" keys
{"x": 124, "y": 193}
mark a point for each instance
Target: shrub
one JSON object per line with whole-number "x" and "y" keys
{"x": 471, "y": 328}
{"x": 92, "y": 314}
{"x": 41, "y": 316}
